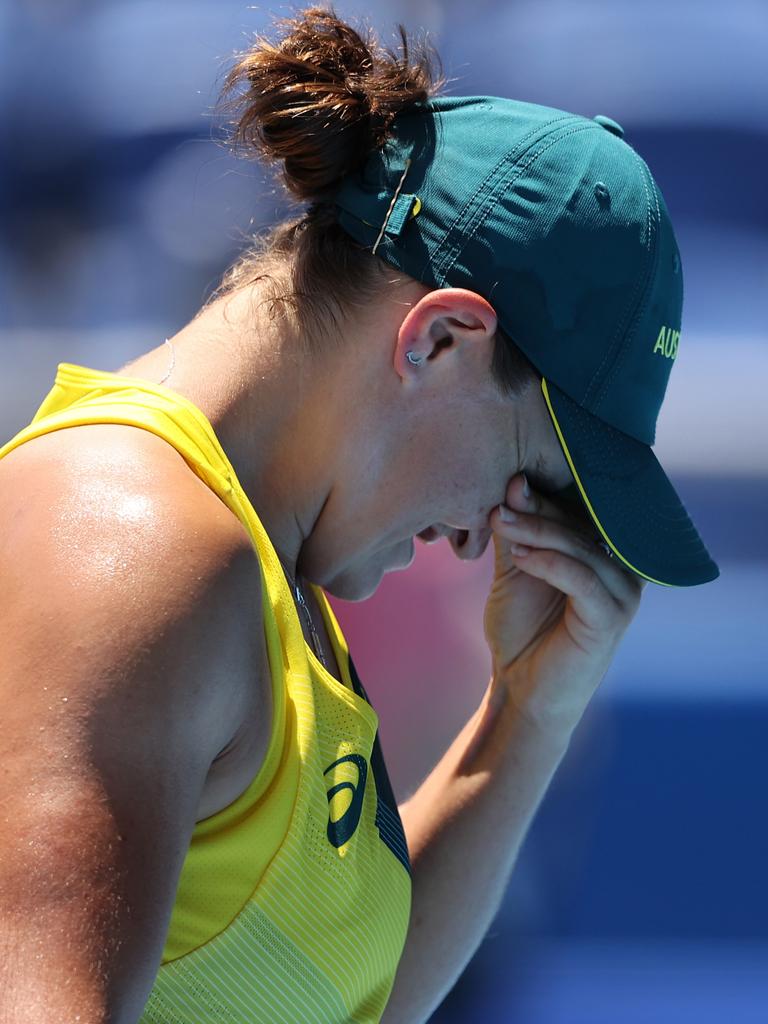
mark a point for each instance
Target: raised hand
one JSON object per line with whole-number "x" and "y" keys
{"x": 556, "y": 614}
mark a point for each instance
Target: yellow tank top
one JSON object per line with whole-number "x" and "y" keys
{"x": 293, "y": 902}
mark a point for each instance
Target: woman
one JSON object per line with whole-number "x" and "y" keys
{"x": 200, "y": 825}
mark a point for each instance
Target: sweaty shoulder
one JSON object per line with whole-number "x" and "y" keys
{"x": 81, "y": 455}
{"x": 125, "y": 642}
{"x": 128, "y": 541}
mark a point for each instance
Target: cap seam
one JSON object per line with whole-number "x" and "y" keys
{"x": 652, "y": 276}
{"x": 503, "y": 184}
{"x": 595, "y": 390}
{"x": 442, "y": 262}
{"x": 481, "y": 202}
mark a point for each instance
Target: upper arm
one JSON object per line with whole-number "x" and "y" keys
{"x": 125, "y": 626}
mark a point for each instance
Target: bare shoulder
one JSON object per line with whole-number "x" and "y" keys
{"x": 124, "y": 456}
{"x": 111, "y": 526}
{"x": 130, "y": 623}
{"x": 105, "y": 476}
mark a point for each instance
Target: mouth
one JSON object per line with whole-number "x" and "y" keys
{"x": 433, "y": 533}
{"x": 429, "y": 535}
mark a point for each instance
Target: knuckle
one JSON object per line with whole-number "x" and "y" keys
{"x": 592, "y": 585}
{"x": 631, "y": 604}
{"x": 590, "y": 581}
{"x": 534, "y": 526}
{"x": 584, "y": 544}
{"x": 547, "y": 557}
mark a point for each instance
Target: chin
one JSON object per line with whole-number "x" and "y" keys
{"x": 359, "y": 586}
{"x": 354, "y": 586}
{"x": 350, "y": 585}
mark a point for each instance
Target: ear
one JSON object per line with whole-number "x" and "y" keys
{"x": 443, "y": 320}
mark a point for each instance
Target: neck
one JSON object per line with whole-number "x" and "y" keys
{"x": 266, "y": 402}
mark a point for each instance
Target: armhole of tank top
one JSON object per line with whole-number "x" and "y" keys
{"x": 335, "y": 635}
{"x": 273, "y": 665}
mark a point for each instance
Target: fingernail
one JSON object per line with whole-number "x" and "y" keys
{"x": 507, "y": 514}
{"x": 526, "y": 488}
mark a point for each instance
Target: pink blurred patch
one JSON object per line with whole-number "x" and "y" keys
{"x": 419, "y": 648}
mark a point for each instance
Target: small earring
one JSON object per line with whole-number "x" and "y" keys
{"x": 416, "y": 360}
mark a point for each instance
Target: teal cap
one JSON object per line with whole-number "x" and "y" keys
{"x": 559, "y": 224}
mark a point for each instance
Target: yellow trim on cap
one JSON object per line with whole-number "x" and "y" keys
{"x": 584, "y": 494}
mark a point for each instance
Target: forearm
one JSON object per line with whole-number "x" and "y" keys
{"x": 465, "y": 826}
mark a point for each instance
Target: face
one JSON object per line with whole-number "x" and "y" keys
{"x": 433, "y": 452}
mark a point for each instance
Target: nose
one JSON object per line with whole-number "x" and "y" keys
{"x": 470, "y": 544}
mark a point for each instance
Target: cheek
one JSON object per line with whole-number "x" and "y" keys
{"x": 468, "y": 482}
{"x": 474, "y": 490}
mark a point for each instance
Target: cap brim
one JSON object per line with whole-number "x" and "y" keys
{"x": 629, "y": 497}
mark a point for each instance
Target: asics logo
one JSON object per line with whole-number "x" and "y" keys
{"x": 342, "y": 830}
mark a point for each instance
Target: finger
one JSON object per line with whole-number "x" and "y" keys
{"x": 593, "y": 603}
{"x": 538, "y": 532}
{"x": 567, "y": 507}
{"x": 564, "y": 506}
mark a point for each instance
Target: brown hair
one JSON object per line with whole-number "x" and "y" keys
{"x": 315, "y": 102}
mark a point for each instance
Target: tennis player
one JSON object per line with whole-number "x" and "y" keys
{"x": 466, "y": 332}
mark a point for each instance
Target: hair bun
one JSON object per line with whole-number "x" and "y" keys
{"x": 322, "y": 97}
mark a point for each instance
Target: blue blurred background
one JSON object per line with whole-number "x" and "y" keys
{"x": 639, "y": 895}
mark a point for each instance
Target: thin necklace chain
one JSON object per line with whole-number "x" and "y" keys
{"x": 308, "y": 616}
{"x": 296, "y": 588}
{"x": 173, "y": 361}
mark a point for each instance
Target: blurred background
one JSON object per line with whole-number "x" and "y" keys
{"x": 640, "y": 892}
